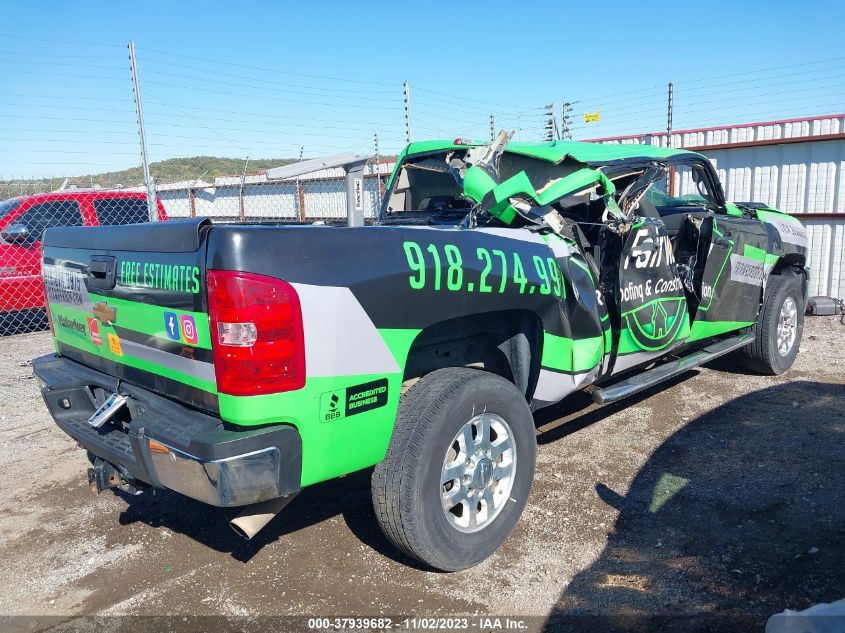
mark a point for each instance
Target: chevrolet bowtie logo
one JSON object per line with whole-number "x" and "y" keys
{"x": 104, "y": 313}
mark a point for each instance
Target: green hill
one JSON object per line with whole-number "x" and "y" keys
{"x": 173, "y": 169}
{"x": 205, "y": 168}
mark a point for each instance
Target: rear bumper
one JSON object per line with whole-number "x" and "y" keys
{"x": 168, "y": 445}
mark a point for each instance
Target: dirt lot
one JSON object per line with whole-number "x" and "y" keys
{"x": 721, "y": 494}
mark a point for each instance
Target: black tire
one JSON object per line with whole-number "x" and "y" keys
{"x": 763, "y": 354}
{"x": 406, "y": 486}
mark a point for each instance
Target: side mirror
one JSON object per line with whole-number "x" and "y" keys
{"x": 16, "y": 234}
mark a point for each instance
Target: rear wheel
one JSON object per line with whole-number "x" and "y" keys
{"x": 459, "y": 468}
{"x": 777, "y": 333}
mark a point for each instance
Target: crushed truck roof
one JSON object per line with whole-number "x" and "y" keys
{"x": 556, "y": 151}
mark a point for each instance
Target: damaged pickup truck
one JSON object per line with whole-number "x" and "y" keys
{"x": 237, "y": 364}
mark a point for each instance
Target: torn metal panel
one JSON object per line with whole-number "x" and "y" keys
{"x": 482, "y": 183}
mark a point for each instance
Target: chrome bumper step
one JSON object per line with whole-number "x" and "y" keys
{"x": 667, "y": 371}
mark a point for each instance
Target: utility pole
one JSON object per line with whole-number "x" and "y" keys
{"x": 152, "y": 206}
{"x": 669, "y": 117}
{"x": 492, "y": 127}
{"x": 241, "y": 196}
{"x": 377, "y": 168}
{"x": 550, "y": 128}
{"x": 300, "y": 191}
{"x": 565, "y": 121}
{"x": 407, "y": 88}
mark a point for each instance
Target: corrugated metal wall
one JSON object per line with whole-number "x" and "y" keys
{"x": 742, "y": 133}
{"x": 827, "y": 256}
{"x": 797, "y": 177}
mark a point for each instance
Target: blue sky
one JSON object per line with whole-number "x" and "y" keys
{"x": 264, "y": 79}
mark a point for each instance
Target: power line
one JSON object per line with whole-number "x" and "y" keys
{"x": 750, "y": 72}
{"x": 61, "y": 118}
{"x": 53, "y": 150}
{"x": 59, "y": 107}
{"x": 61, "y": 55}
{"x": 755, "y": 91}
{"x": 481, "y": 101}
{"x": 59, "y": 96}
{"x": 65, "y": 75}
{"x": 57, "y": 63}
{"x": 711, "y": 77}
{"x": 362, "y": 128}
{"x": 55, "y": 41}
{"x": 272, "y": 115}
{"x": 169, "y": 54}
{"x": 241, "y": 76}
{"x": 272, "y": 87}
{"x": 292, "y": 100}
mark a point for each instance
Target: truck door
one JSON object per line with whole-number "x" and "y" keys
{"x": 722, "y": 250}
{"x": 732, "y": 281}
{"x": 653, "y": 316}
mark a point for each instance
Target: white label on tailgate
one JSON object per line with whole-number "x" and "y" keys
{"x": 65, "y": 286}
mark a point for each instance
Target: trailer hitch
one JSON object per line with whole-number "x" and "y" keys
{"x": 103, "y": 476}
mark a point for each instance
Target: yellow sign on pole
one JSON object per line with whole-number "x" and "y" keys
{"x": 592, "y": 117}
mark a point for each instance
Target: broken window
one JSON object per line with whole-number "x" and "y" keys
{"x": 685, "y": 186}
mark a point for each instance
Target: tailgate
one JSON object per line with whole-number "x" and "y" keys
{"x": 130, "y": 301}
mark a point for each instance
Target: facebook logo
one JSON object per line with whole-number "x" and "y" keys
{"x": 171, "y": 325}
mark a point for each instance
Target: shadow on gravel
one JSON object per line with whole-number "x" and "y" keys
{"x": 578, "y": 411}
{"x": 347, "y": 496}
{"x": 735, "y": 517}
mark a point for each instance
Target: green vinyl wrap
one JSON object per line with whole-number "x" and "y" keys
{"x": 142, "y": 318}
{"x": 571, "y": 355}
{"x": 329, "y": 449}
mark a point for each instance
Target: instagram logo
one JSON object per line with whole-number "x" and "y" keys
{"x": 189, "y": 328}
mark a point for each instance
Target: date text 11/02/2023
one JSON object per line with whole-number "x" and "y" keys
{"x": 441, "y": 267}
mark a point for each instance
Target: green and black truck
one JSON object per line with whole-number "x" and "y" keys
{"x": 238, "y": 363}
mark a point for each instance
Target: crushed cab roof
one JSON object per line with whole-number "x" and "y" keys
{"x": 556, "y": 151}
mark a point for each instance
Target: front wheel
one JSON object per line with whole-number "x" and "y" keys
{"x": 458, "y": 470}
{"x": 777, "y": 333}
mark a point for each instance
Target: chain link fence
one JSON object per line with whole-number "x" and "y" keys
{"x": 320, "y": 196}
{"x": 28, "y": 208}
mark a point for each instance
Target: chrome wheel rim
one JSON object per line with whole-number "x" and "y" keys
{"x": 478, "y": 472}
{"x": 787, "y": 326}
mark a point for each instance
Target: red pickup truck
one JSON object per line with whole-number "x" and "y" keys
{"x": 24, "y": 219}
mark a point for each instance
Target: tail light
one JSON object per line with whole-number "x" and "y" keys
{"x": 256, "y": 330}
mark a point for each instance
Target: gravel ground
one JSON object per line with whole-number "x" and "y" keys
{"x": 720, "y": 493}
